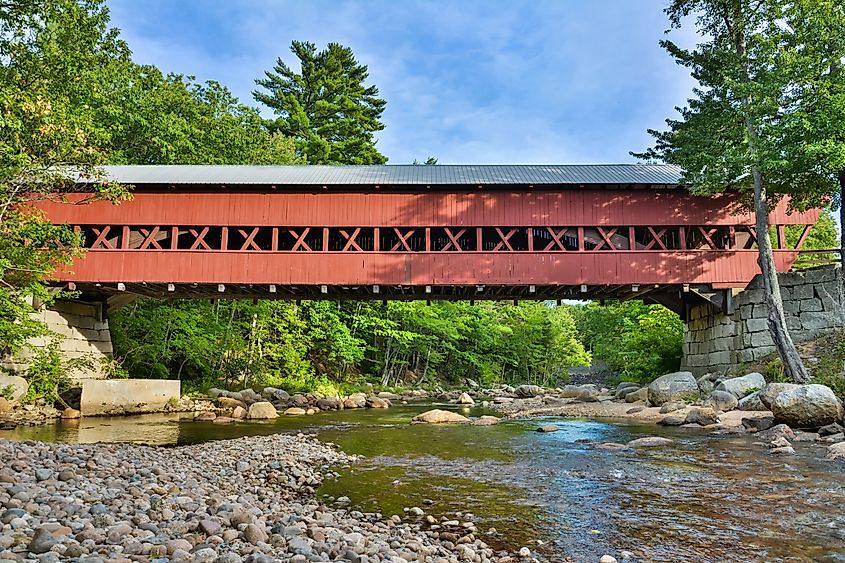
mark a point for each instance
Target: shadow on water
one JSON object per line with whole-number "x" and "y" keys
{"x": 700, "y": 499}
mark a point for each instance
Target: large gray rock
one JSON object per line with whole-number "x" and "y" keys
{"x": 722, "y": 401}
{"x": 705, "y": 384}
{"x": 638, "y": 395}
{"x": 14, "y": 385}
{"x": 752, "y": 402}
{"x": 677, "y": 386}
{"x": 529, "y": 391}
{"x": 570, "y": 391}
{"x": 807, "y": 406}
{"x": 740, "y": 387}
{"x": 770, "y": 391}
{"x": 624, "y": 388}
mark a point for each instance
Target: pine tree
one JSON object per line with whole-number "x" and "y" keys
{"x": 325, "y": 107}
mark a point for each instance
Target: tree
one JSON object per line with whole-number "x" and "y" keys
{"x": 733, "y": 134}
{"x": 173, "y": 120}
{"x": 58, "y": 61}
{"x": 814, "y": 128}
{"x": 325, "y": 107}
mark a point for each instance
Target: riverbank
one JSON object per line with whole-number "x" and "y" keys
{"x": 249, "y": 499}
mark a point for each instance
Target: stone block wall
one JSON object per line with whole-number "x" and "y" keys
{"x": 814, "y": 303}
{"x": 83, "y": 333}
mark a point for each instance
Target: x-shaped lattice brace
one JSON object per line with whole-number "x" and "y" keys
{"x": 351, "y": 243}
{"x": 249, "y": 239}
{"x": 752, "y": 237}
{"x": 402, "y": 243}
{"x": 102, "y": 241}
{"x": 299, "y": 240}
{"x": 149, "y": 238}
{"x": 454, "y": 239}
{"x": 656, "y": 238}
{"x": 556, "y": 243}
{"x": 708, "y": 234}
{"x": 607, "y": 237}
{"x": 505, "y": 239}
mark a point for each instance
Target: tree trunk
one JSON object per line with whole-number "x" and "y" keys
{"x": 792, "y": 364}
{"x": 842, "y": 215}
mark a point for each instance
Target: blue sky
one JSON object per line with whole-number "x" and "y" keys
{"x": 565, "y": 81}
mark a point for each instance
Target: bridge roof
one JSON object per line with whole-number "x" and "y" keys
{"x": 402, "y": 175}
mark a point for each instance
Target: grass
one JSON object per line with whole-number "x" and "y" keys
{"x": 824, "y": 358}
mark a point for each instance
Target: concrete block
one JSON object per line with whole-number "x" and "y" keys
{"x": 103, "y": 347}
{"x": 122, "y": 396}
{"x": 756, "y": 325}
{"x": 745, "y": 355}
{"x": 760, "y": 311}
{"x": 105, "y": 335}
{"x": 74, "y": 308}
{"x": 762, "y": 352}
{"x": 101, "y": 325}
{"x": 697, "y": 360}
{"x": 745, "y": 312}
{"x": 814, "y": 305}
{"x": 791, "y": 307}
{"x": 793, "y": 324}
{"x": 759, "y": 339}
{"x": 721, "y": 358}
{"x": 89, "y": 334}
{"x": 800, "y": 292}
{"x": 752, "y": 296}
{"x": 816, "y": 321}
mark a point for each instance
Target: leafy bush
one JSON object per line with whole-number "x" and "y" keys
{"x": 640, "y": 342}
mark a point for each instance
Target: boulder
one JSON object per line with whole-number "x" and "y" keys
{"x": 672, "y": 407}
{"x": 722, "y": 401}
{"x": 377, "y": 403}
{"x": 205, "y": 416}
{"x": 261, "y": 410}
{"x": 214, "y": 392}
{"x": 831, "y": 429}
{"x": 299, "y": 400}
{"x": 624, "y": 388}
{"x": 229, "y": 403}
{"x": 273, "y": 394}
{"x": 295, "y": 411}
{"x": 239, "y": 412}
{"x": 836, "y": 451}
{"x": 570, "y": 391}
{"x": 5, "y": 405}
{"x": 758, "y": 423}
{"x": 70, "y": 413}
{"x": 771, "y": 390}
{"x": 635, "y": 410}
{"x": 485, "y": 420}
{"x": 638, "y": 395}
{"x": 465, "y": 399}
{"x": 807, "y": 406}
{"x": 677, "y": 386}
{"x": 649, "y": 442}
{"x": 702, "y": 417}
{"x": 13, "y": 387}
{"x": 673, "y": 420}
{"x": 439, "y": 416}
{"x": 740, "y": 387}
{"x": 548, "y": 428}
{"x": 527, "y": 391}
{"x": 705, "y": 384}
{"x": 777, "y": 431}
{"x": 223, "y": 420}
{"x": 330, "y": 403}
{"x": 587, "y": 395}
{"x": 751, "y": 402}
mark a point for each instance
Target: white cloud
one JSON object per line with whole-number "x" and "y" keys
{"x": 466, "y": 81}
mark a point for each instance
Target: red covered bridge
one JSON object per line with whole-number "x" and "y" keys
{"x": 417, "y": 232}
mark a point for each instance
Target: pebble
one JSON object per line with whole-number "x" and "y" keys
{"x": 231, "y": 501}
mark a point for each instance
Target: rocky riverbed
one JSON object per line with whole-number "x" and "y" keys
{"x": 249, "y": 499}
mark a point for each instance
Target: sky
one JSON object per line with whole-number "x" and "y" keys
{"x": 468, "y": 82}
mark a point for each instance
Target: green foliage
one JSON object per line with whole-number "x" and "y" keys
{"x": 331, "y": 346}
{"x": 7, "y": 392}
{"x": 46, "y": 376}
{"x": 823, "y": 237}
{"x": 638, "y": 341}
{"x": 764, "y": 100}
{"x": 325, "y": 107}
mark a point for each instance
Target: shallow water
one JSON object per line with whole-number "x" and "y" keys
{"x": 704, "y": 498}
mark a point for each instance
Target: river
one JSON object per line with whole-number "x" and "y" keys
{"x": 704, "y": 498}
